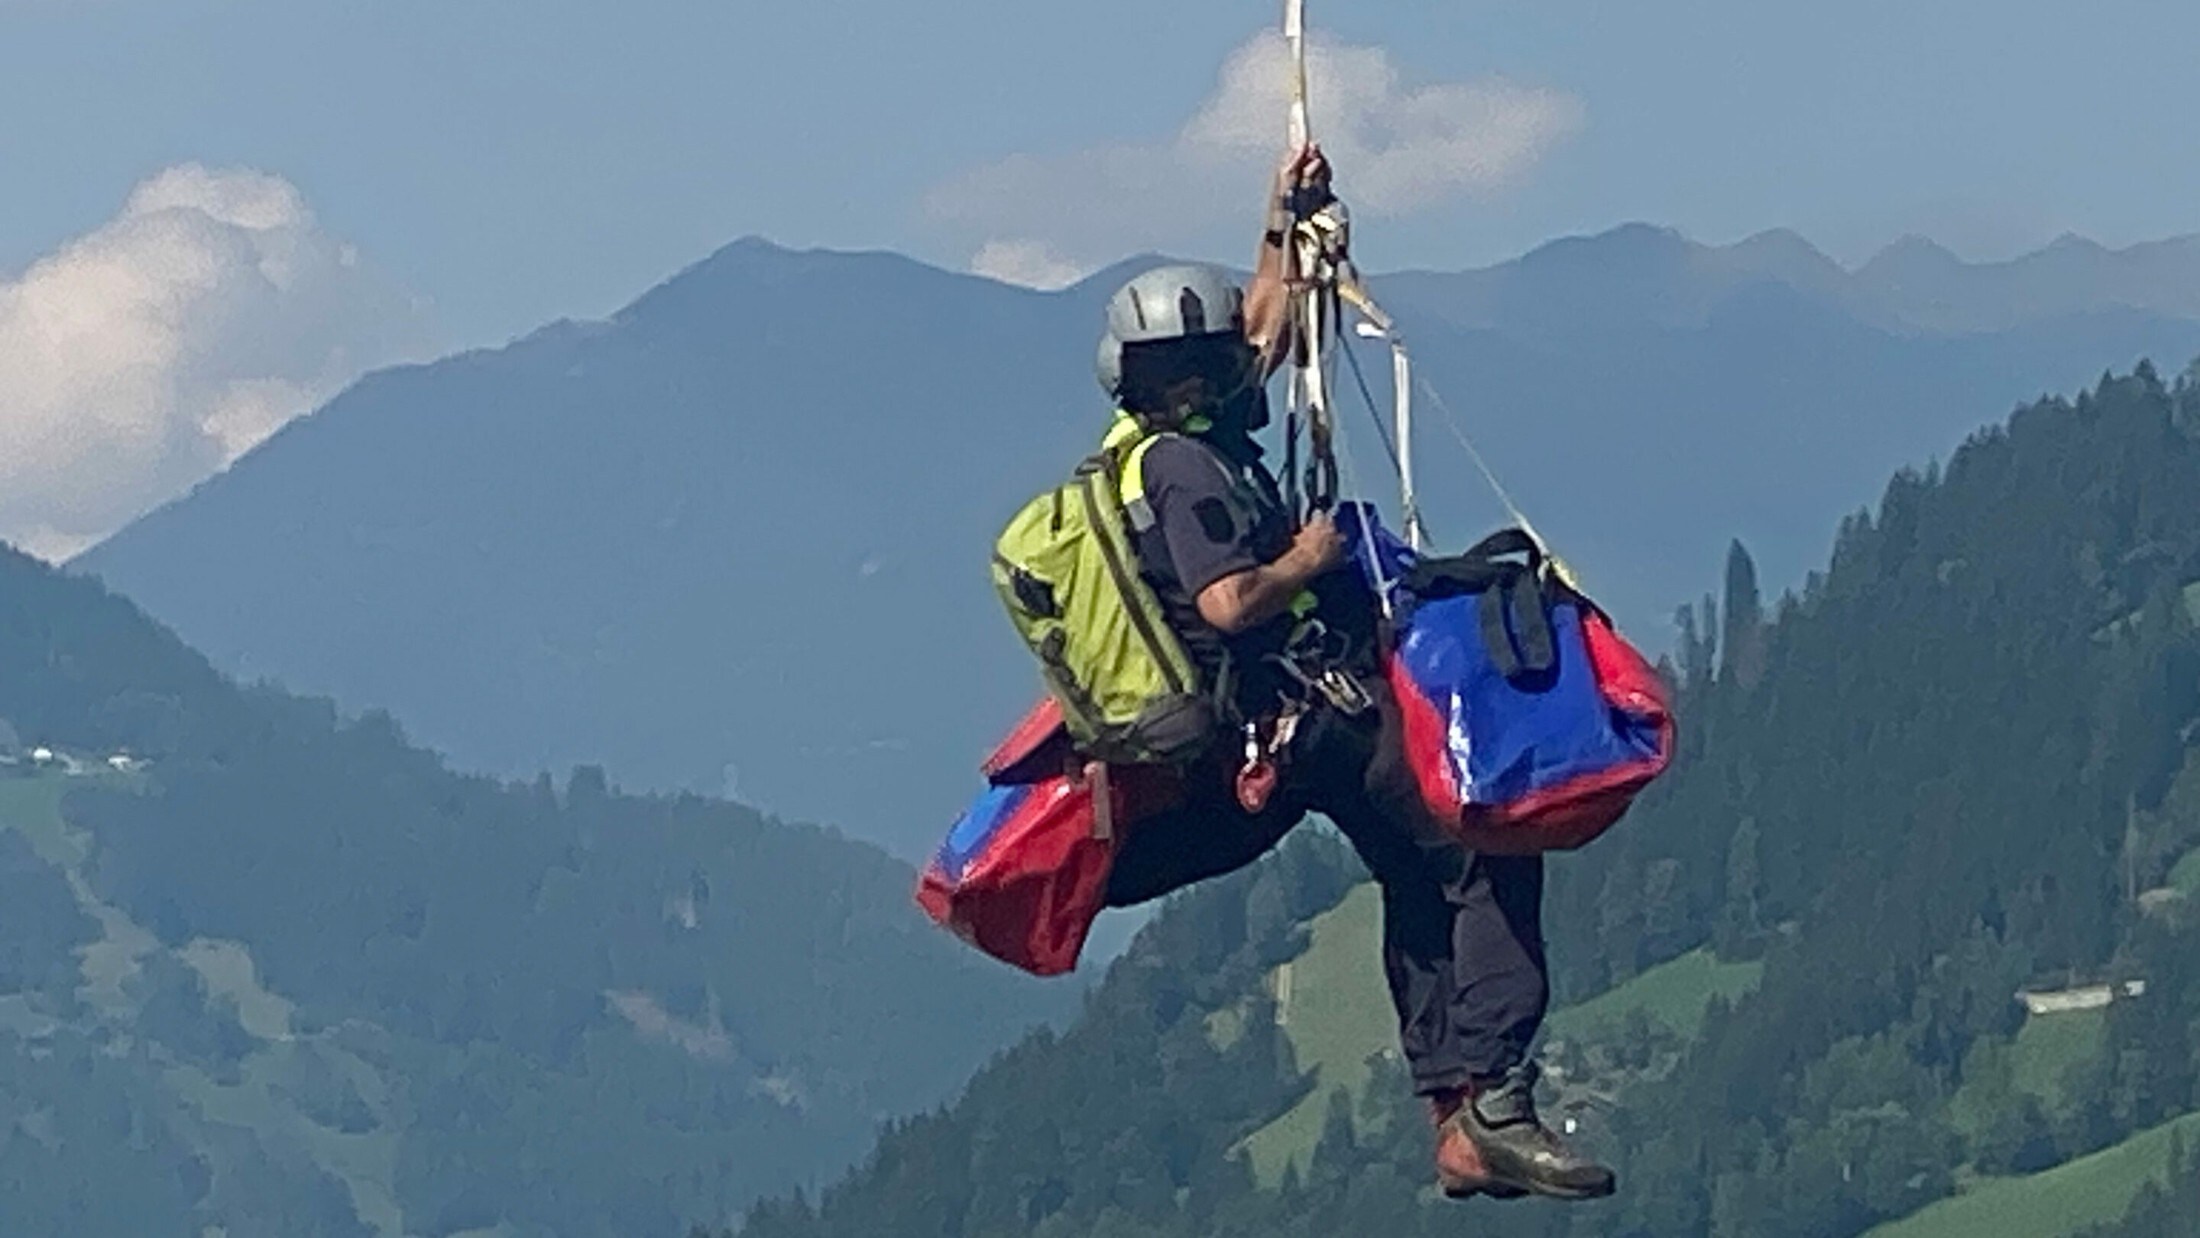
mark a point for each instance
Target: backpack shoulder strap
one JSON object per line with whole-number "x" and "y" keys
{"x": 1132, "y": 483}
{"x": 1122, "y": 459}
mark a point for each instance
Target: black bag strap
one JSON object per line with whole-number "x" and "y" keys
{"x": 1514, "y": 541}
{"x": 1482, "y": 565}
{"x": 1507, "y": 570}
{"x": 1516, "y": 628}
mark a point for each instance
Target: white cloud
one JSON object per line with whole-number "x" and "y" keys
{"x": 1033, "y": 264}
{"x": 1399, "y": 148}
{"x": 151, "y": 352}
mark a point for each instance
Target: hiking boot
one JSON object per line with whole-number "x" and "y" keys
{"x": 1513, "y": 1149}
{"x": 1460, "y": 1173}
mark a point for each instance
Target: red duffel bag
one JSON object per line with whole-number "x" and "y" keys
{"x": 1024, "y": 872}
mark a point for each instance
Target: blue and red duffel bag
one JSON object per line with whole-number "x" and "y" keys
{"x": 1529, "y": 723}
{"x": 1024, "y": 872}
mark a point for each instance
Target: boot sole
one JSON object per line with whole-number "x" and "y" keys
{"x": 1500, "y": 1194}
{"x": 1605, "y": 1191}
{"x": 1497, "y": 1188}
{"x": 1468, "y": 1190}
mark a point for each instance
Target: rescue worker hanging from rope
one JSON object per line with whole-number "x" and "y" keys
{"x": 1225, "y": 655}
{"x": 1265, "y": 608}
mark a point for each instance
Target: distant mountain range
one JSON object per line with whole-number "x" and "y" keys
{"x": 732, "y": 539}
{"x": 1640, "y": 273}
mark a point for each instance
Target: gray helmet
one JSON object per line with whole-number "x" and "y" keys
{"x": 1168, "y": 303}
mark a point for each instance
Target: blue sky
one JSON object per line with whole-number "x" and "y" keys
{"x": 219, "y": 211}
{"x": 516, "y": 161}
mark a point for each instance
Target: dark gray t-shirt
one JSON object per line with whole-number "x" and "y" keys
{"x": 1216, "y": 513}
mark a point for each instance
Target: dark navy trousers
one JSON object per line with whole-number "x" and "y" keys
{"x": 1462, "y": 932}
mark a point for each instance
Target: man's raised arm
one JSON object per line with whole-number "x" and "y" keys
{"x": 1268, "y": 299}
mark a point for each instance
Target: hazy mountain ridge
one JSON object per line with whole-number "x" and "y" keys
{"x": 1638, "y": 272}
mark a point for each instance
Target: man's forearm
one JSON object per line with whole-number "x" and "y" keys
{"x": 1252, "y": 597}
{"x": 1268, "y": 299}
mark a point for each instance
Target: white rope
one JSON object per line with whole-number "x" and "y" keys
{"x": 1504, "y": 496}
{"x": 1294, "y": 38}
{"x": 1558, "y": 567}
{"x": 1350, "y": 484}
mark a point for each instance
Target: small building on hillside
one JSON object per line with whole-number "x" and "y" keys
{"x": 2165, "y": 902}
{"x": 2084, "y": 997}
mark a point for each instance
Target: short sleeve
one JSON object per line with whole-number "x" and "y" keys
{"x": 1202, "y": 518}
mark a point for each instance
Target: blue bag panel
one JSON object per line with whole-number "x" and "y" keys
{"x": 1505, "y": 742}
{"x": 1382, "y": 557}
{"x": 977, "y": 827}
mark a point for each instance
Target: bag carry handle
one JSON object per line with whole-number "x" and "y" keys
{"x": 1102, "y": 785}
{"x": 1514, "y": 613}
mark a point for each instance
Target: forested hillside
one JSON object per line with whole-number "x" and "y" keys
{"x": 1960, "y": 763}
{"x": 271, "y": 970}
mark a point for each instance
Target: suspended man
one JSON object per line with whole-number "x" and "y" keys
{"x": 1287, "y": 642}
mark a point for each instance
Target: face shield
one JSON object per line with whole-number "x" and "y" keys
{"x": 1215, "y": 376}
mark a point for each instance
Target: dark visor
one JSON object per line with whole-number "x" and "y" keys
{"x": 1151, "y": 369}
